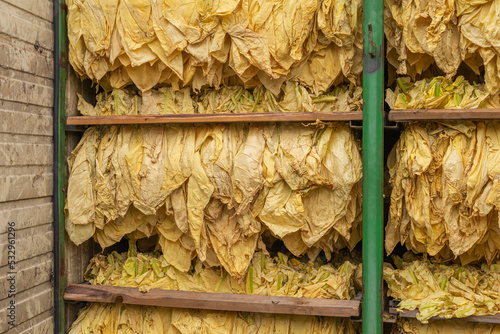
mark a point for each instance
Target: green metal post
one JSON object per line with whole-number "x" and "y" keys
{"x": 373, "y": 161}
{"x": 60, "y": 64}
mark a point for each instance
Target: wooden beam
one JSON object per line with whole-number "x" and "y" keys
{"x": 409, "y": 115}
{"x": 213, "y": 301}
{"x": 216, "y": 118}
{"x": 492, "y": 319}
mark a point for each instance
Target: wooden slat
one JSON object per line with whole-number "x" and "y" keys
{"x": 214, "y": 301}
{"x": 492, "y": 319}
{"x": 216, "y": 118}
{"x": 409, "y": 115}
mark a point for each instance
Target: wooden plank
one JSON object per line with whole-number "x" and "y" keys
{"x": 20, "y": 90}
{"x": 26, "y": 154}
{"x": 27, "y": 59}
{"x": 36, "y": 183}
{"x": 42, "y": 9}
{"x": 30, "y": 243}
{"x": 216, "y": 118}
{"x": 76, "y": 258}
{"x": 21, "y": 25}
{"x": 29, "y": 304}
{"x": 37, "y": 324}
{"x": 214, "y": 301}
{"x": 409, "y": 115}
{"x": 21, "y": 123}
{"x": 492, "y": 319}
{"x": 29, "y": 273}
{"x": 21, "y": 212}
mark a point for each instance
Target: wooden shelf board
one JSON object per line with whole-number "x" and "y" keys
{"x": 214, "y": 301}
{"x": 216, "y": 118}
{"x": 409, "y": 115}
{"x": 492, "y": 319}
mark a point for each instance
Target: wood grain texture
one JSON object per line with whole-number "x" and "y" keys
{"x": 29, "y": 304}
{"x": 26, "y": 167}
{"x": 216, "y": 118}
{"x": 214, "y": 301}
{"x": 492, "y": 319}
{"x": 76, "y": 258}
{"x": 409, "y": 115}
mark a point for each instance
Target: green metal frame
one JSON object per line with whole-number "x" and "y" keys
{"x": 373, "y": 164}
{"x": 373, "y": 95}
{"x": 60, "y": 60}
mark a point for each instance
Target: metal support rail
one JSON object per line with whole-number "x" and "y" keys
{"x": 373, "y": 160}
{"x": 59, "y": 123}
